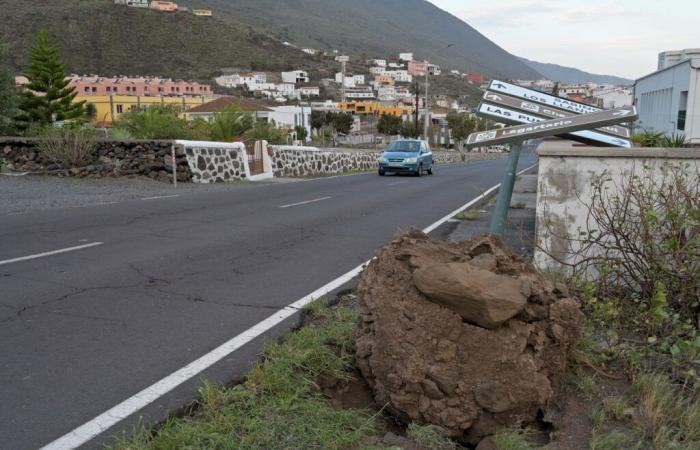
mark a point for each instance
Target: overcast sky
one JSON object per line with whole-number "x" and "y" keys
{"x": 611, "y": 37}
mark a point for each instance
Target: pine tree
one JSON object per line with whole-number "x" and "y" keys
{"x": 8, "y": 98}
{"x": 47, "y": 98}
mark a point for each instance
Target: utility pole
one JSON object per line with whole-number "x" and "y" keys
{"x": 426, "y": 117}
{"x": 417, "y": 103}
{"x": 343, "y": 60}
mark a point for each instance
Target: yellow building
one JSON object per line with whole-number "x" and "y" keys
{"x": 375, "y": 109}
{"x": 202, "y": 12}
{"x": 109, "y": 108}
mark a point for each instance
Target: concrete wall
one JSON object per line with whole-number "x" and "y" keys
{"x": 565, "y": 187}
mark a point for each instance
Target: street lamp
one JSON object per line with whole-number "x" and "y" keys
{"x": 427, "y": 84}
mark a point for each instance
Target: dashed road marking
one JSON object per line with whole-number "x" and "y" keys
{"x": 53, "y": 252}
{"x": 158, "y": 197}
{"x": 306, "y": 202}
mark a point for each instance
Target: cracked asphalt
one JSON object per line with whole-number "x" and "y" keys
{"x": 174, "y": 278}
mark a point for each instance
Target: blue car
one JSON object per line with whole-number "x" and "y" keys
{"x": 411, "y": 156}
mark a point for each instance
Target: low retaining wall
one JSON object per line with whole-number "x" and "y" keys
{"x": 303, "y": 161}
{"x": 565, "y": 180}
{"x": 149, "y": 158}
{"x": 215, "y": 162}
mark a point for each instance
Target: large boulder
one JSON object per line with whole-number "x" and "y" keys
{"x": 479, "y": 296}
{"x": 466, "y": 336}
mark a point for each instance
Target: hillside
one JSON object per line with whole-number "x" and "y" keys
{"x": 571, "y": 75}
{"x": 96, "y": 36}
{"x": 377, "y": 28}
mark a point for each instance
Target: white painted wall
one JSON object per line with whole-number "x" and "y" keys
{"x": 564, "y": 187}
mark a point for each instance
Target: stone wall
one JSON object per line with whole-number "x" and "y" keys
{"x": 304, "y": 162}
{"x": 215, "y": 162}
{"x": 148, "y": 158}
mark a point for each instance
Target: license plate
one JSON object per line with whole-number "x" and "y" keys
{"x": 396, "y": 164}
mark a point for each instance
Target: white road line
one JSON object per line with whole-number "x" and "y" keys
{"x": 306, "y": 202}
{"x": 113, "y": 416}
{"x": 54, "y": 252}
{"x": 158, "y": 197}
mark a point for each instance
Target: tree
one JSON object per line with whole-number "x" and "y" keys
{"x": 461, "y": 126}
{"x": 340, "y": 122}
{"x": 409, "y": 129}
{"x": 230, "y": 124}
{"x": 318, "y": 119}
{"x": 156, "y": 122}
{"x": 8, "y": 98}
{"x": 389, "y": 125}
{"x": 301, "y": 133}
{"x": 48, "y": 97}
{"x": 265, "y": 131}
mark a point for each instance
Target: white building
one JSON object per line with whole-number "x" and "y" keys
{"x": 351, "y": 81}
{"x": 290, "y": 117}
{"x": 574, "y": 89}
{"x": 386, "y": 93}
{"x": 543, "y": 84}
{"x": 133, "y": 3}
{"x": 310, "y": 51}
{"x": 378, "y": 70}
{"x": 403, "y": 93}
{"x": 400, "y": 76}
{"x": 434, "y": 69}
{"x": 396, "y": 65}
{"x": 309, "y": 91}
{"x": 295, "y": 76}
{"x": 668, "y": 100}
{"x": 359, "y": 93}
{"x": 613, "y": 96}
{"x": 377, "y": 62}
{"x": 406, "y": 56}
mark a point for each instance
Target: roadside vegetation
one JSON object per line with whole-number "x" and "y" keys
{"x": 652, "y": 139}
{"x": 279, "y": 406}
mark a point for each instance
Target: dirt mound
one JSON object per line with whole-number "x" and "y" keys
{"x": 466, "y": 336}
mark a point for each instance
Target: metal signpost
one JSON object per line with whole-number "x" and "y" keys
{"x": 516, "y": 135}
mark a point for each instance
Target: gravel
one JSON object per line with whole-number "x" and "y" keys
{"x": 21, "y": 194}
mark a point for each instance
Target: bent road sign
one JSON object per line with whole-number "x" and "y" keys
{"x": 555, "y": 127}
{"x": 514, "y": 117}
{"x": 540, "y": 97}
{"x": 546, "y": 111}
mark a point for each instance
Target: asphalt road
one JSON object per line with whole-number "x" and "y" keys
{"x": 175, "y": 277}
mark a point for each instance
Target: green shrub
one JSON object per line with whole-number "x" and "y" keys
{"x": 70, "y": 147}
{"x": 156, "y": 122}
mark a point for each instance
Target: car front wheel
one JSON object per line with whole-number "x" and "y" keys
{"x": 419, "y": 172}
{"x": 382, "y": 173}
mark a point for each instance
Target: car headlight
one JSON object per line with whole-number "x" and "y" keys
{"x": 410, "y": 160}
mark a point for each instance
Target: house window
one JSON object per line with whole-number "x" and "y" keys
{"x": 109, "y": 89}
{"x": 120, "y": 109}
{"x": 94, "y": 89}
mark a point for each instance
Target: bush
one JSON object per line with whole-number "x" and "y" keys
{"x": 70, "y": 147}
{"x": 156, "y": 122}
{"x": 230, "y": 124}
{"x": 389, "y": 125}
{"x": 265, "y": 131}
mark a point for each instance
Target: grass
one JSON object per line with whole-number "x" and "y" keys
{"x": 430, "y": 436}
{"x": 471, "y": 214}
{"x": 279, "y": 405}
{"x": 512, "y": 440}
{"x": 518, "y": 205}
{"x": 585, "y": 384}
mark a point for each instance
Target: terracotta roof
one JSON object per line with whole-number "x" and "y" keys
{"x": 220, "y": 103}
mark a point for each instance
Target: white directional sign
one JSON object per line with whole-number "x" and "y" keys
{"x": 535, "y": 127}
{"x": 547, "y": 112}
{"x": 541, "y": 97}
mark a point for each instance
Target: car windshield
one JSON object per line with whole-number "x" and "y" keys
{"x": 404, "y": 146}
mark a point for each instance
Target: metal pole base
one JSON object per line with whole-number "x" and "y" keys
{"x": 500, "y": 213}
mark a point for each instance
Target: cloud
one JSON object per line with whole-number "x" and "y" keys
{"x": 511, "y": 14}
{"x": 611, "y": 10}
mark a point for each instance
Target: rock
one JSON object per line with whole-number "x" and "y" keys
{"x": 488, "y": 443}
{"x": 479, "y": 296}
{"x": 493, "y": 397}
{"x": 492, "y": 358}
{"x": 484, "y": 261}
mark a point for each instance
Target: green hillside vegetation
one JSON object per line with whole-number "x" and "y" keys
{"x": 95, "y": 36}
{"x": 377, "y": 28}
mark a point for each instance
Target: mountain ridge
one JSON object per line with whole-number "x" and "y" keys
{"x": 572, "y": 75}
